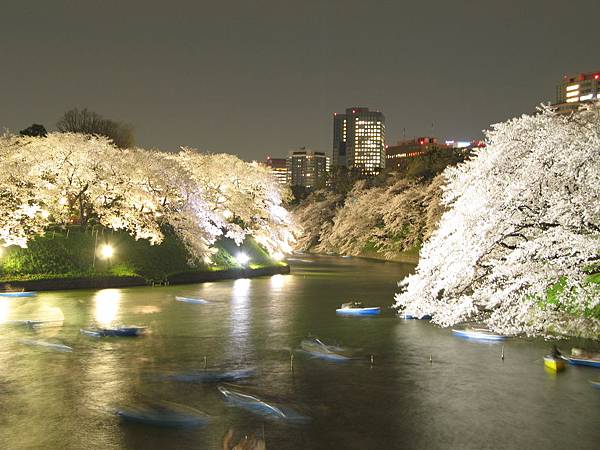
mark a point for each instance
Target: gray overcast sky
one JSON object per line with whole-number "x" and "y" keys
{"x": 262, "y": 77}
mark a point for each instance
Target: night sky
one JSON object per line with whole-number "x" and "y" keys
{"x": 261, "y": 77}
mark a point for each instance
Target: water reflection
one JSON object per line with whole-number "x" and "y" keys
{"x": 4, "y": 310}
{"x": 277, "y": 282}
{"x": 106, "y": 306}
{"x": 240, "y": 310}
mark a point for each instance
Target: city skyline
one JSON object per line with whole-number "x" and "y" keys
{"x": 260, "y": 80}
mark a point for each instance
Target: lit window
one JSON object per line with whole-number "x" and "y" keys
{"x": 572, "y": 87}
{"x": 572, "y": 93}
{"x": 571, "y": 100}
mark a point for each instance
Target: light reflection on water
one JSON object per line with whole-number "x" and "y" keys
{"x": 106, "y": 306}
{"x": 4, "y": 310}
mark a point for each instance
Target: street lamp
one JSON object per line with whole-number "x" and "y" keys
{"x": 242, "y": 258}
{"x": 106, "y": 251}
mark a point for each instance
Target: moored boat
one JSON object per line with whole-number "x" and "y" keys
{"x": 129, "y": 331}
{"x": 595, "y": 383}
{"x": 554, "y": 363}
{"x": 581, "y": 357}
{"x": 18, "y": 294}
{"x": 357, "y": 309}
{"x": 478, "y": 334}
{"x": 408, "y": 316}
{"x": 196, "y": 301}
{"x": 317, "y": 348}
{"x": 210, "y": 376}
{"x": 160, "y": 415}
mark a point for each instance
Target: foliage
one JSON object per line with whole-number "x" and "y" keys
{"x": 90, "y": 122}
{"x": 34, "y": 130}
{"x": 69, "y": 178}
{"x": 522, "y": 227}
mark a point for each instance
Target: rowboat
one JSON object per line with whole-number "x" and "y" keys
{"x": 210, "y": 376}
{"x": 47, "y": 345}
{"x": 196, "y": 301}
{"x": 478, "y": 334}
{"x": 356, "y": 309}
{"x": 268, "y": 409}
{"x": 581, "y": 357}
{"x": 595, "y": 384}
{"x": 18, "y": 294}
{"x": 130, "y": 331}
{"x": 581, "y": 361}
{"x": 315, "y": 347}
{"x": 163, "y": 416}
{"x": 408, "y": 316}
{"x": 553, "y": 363}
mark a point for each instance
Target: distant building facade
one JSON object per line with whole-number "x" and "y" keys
{"x": 306, "y": 168}
{"x": 278, "y": 168}
{"x": 359, "y": 140}
{"x": 577, "y": 89}
{"x": 421, "y": 146}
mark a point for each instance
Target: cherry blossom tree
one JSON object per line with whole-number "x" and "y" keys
{"x": 521, "y": 235}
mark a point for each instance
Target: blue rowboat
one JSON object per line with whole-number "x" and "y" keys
{"x": 270, "y": 410}
{"x": 47, "y": 345}
{"x": 163, "y": 417}
{"x": 580, "y": 361}
{"x": 349, "y": 310}
{"x": 479, "y": 335}
{"x": 595, "y": 384}
{"x": 210, "y": 376}
{"x": 196, "y": 301}
{"x": 408, "y": 316}
{"x": 18, "y": 294}
{"x": 130, "y": 331}
{"x": 318, "y": 349}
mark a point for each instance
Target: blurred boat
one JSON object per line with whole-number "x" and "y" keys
{"x": 357, "y": 309}
{"x": 47, "y": 345}
{"x": 315, "y": 347}
{"x": 196, "y": 301}
{"x": 408, "y": 316}
{"x": 129, "y": 331}
{"x": 595, "y": 384}
{"x": 253, "y": 403}
{"x": 478, "y": 334}
{"x": 18, "y": 294}
{"x": 210, "y": 376}
{"x": 163, "y": 415}
{"x": 581, "y": 357}
{"x": 554, "y": 363}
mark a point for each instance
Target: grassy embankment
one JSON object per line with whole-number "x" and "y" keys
{"x": 61, "y": 255}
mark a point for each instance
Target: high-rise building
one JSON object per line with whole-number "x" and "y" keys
{"x": 418, "y": 147}
{"x": 359, "y": 140}
{"x": 306, "y": 168}
{"x": 278, "y": 168}
{"x": 575, "y": 89}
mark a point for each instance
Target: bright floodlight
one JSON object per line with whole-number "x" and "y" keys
{"x": 242, "y": 258}
{"x": 106, "y": 251}
{"x": 278, "y": 256}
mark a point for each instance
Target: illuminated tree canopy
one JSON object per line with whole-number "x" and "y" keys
{"x": 519, "y": 246}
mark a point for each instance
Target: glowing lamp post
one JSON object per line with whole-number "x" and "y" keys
{"x": 106, "y": 251}
{"x": 242, "y": 258}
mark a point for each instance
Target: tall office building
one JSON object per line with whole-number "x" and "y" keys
{"x": 575, "y": 89}
{"x": 359, "y": 140}
{"x": 306, "y": 168}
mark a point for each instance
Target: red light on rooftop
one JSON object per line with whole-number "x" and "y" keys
{"x": 597, "y": 76}
{"x": 422, "y": 141}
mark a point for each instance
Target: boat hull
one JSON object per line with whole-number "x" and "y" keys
{"x": 554, "y": 364}
{"x": 585, "y": 362}
{"x": 195, "y": 301}
{"x": 595, "y": 384}
{"x": 18, "y": 294}
{"x": 358, "y": 311}
{"x": 478, "y": 335}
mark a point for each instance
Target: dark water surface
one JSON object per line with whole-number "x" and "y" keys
{"x": 467, "y": 398}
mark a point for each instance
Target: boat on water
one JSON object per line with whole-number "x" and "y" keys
{"x": 196, "y": 301}
{"x": 357, "y": 309}
{"x": 595, "y": 383}
{"x": 47, "y": 345}
{"x": 318, "y": 349}
{"x": 581, "y": 357}
{"x": 18, "y": 294}
{"x": 408, "y": 316}
{"x": 163, "y": 416}
{"x": 269, "y": 409}
{"x": 129, "y": 331}
{"x": 554, "y": 363}
{"x": 210, "y": 376}
{"x": 480, "y": 334}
